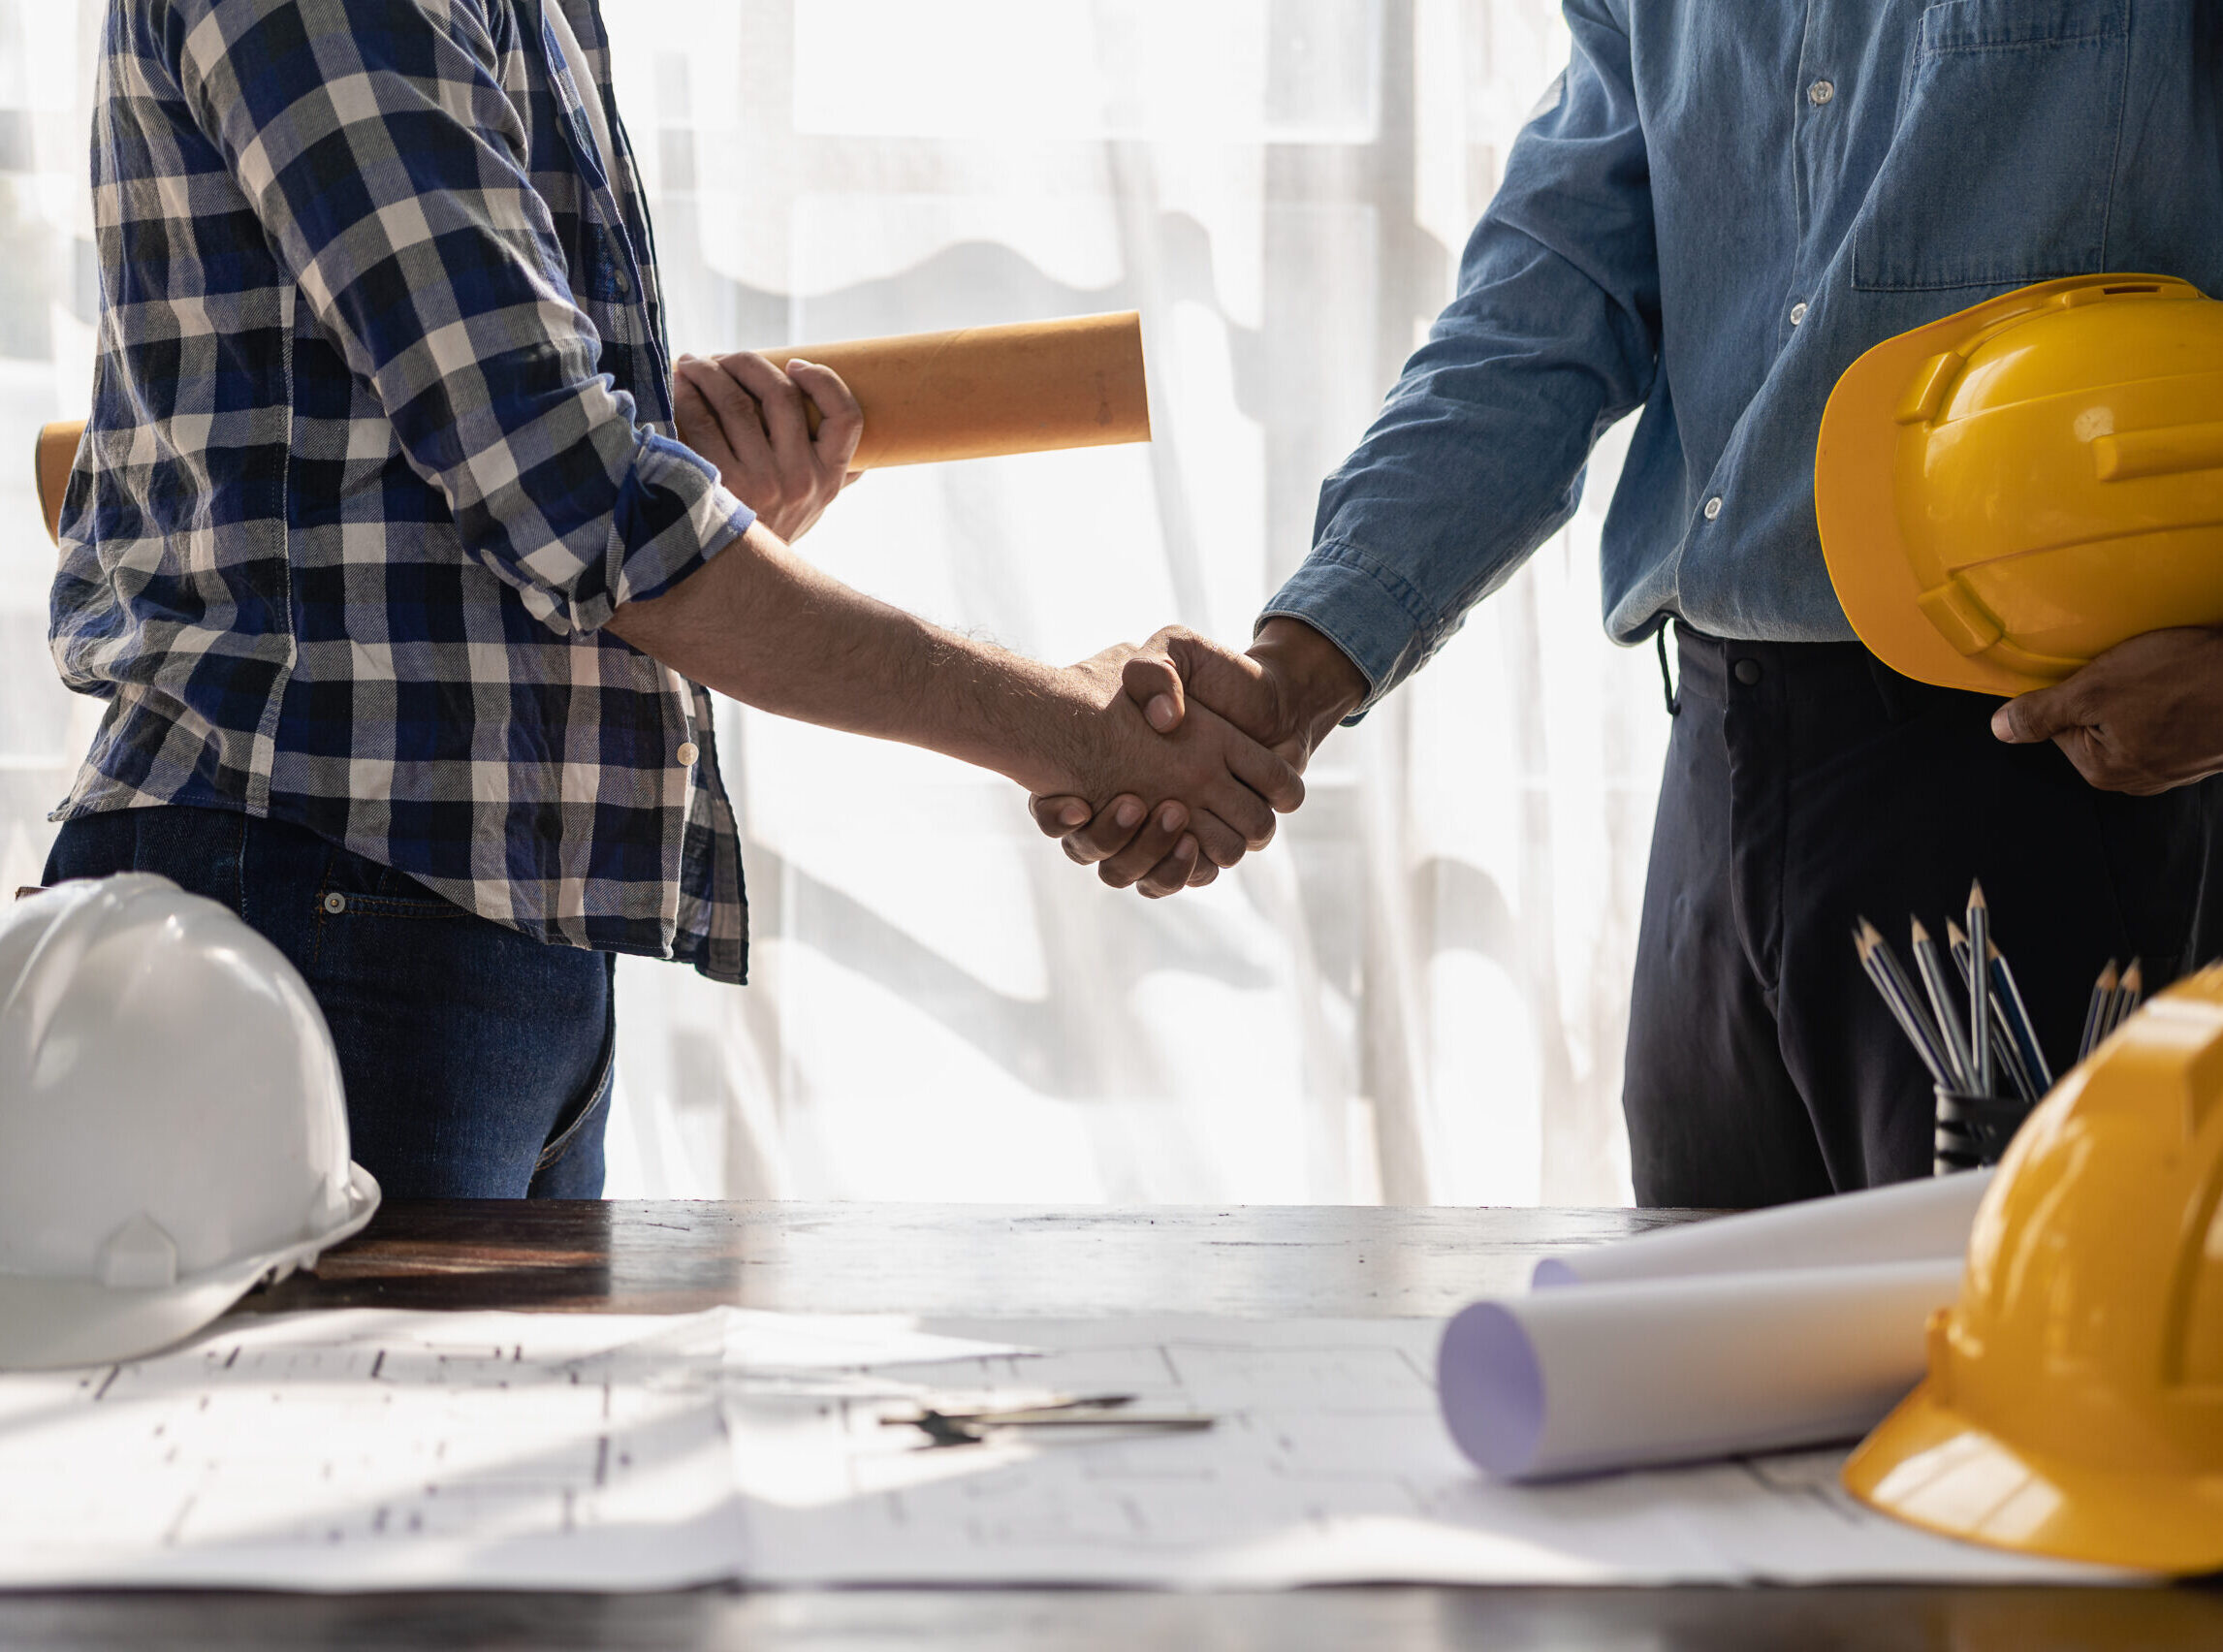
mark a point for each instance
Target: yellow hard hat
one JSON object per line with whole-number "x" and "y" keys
{"x": 2073, "y": 1405}
{"x": 2008, "y": 491}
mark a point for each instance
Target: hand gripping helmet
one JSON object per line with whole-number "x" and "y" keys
{"x": 2004, "y": 494}
{"x": 2073, "y": 1405}
{"x": 172, "y": 1126}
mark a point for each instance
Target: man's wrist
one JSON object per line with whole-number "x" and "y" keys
{"x": 1040, "y": 721}
{"x": 1319, "y": 684}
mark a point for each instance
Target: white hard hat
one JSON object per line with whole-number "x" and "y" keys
{"x": 171, "y": 1124}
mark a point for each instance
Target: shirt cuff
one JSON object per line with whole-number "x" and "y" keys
{"x": 672, "y": 515}
{"x": 1364, "y": 608}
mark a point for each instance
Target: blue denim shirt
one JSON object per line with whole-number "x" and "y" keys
{"x": 1717, "y": 209}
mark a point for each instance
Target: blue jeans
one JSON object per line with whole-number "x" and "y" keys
{"x": 477, "y": 1060}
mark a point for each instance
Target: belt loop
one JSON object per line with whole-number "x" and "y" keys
{"x": 1667, "y": 677}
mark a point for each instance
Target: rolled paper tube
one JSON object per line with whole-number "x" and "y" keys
{"x": 1032, "y": 387}
{"x": 1908, "y": 1221}
{"x": 1676, "y": 1370}
{"x": 58, "y": 450}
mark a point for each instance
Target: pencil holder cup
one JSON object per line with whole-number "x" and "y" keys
{"x": 1974, "y": 1130}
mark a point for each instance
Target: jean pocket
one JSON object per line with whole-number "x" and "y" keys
{"x": 355, "y": 883}
{"x": 2001, "y": 168}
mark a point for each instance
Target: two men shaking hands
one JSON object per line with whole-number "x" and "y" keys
{"x": 1160, "y": 764}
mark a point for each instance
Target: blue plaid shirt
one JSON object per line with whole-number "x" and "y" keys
{"x": 380, "y": 437}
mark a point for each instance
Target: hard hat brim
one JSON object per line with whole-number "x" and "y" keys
{"x": 51, "y": 1323}
{"x": 1855, "y": 502}
{"x": 1929, "y": 1465}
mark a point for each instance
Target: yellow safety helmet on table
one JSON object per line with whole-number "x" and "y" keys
{"x": 2005, "y": 493}
{"x": 2073, "y": 1405}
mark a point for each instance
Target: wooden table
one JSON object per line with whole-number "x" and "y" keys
{"x": 1010, "y": 1261}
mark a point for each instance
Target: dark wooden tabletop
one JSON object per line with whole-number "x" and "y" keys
{"x": 1003, "y": 1262}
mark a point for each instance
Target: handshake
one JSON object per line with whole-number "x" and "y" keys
{"x": 1158, "y": 765}
{"x": 1233, "y": 731}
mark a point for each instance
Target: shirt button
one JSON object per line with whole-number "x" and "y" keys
{"x": 688, "y": 751}
{"x": 1748, "y": 672}
{"x": 336, "y": 901}
{"x": 1798, "y": 313}
{"x": 1713, "y": 507}
{"x": 1820, "y": 93}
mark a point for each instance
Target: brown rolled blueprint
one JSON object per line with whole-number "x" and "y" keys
{"x": 58, "y": 450}
{"x": 1030, "y": 387}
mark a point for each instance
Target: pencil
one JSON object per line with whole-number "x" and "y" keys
{"x": 1932, "y": 968}
{"x": 2003, "y": 1050}
{"x": 2103, "y": 994}
{"x": 1897, "y": 994}
{"x": 2127, "y": 995}
{"x": 1979, "y": 987}
{"x": 1913, "y": 1021}
{"x": 2019, "y": 1027}
{"x": 1910, "y": 996}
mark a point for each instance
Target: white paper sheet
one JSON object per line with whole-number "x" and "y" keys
{"x": 1671, "y": 1369}
{"x": 1329, "y": 1465}
{"x": 1908, "y": 1221}
{"x": 375, "y": 1451}
{"x": 368, "y": 1450}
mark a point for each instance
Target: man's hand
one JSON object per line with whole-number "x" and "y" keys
{"x": 1203, "y": 820}
{"x": 1286, "y": 692}
{"x": 746, "y": 417}
{"x": 2142, "y": 717}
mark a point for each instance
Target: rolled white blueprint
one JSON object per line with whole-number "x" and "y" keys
{"x": 1671, "y": 1369}
{"x": 1908, "y": 1221}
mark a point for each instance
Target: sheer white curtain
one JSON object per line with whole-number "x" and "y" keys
{"x": 1419, "y": 993}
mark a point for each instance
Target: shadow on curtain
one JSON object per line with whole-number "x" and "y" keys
{"x": 1419, "y": 993}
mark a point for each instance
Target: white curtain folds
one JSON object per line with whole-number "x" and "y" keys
{"x": 1418, "y": 993}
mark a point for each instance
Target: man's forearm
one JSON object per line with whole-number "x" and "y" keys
{"x": 764, "y": 626}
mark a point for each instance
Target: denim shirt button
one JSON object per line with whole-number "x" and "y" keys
{"x": 1820, "y": 93}
{"x": 335, "y": 902}
{"x": 1798, "y": 313}
{"x": 1713, "y": 507}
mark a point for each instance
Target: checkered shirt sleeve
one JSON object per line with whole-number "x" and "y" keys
{"x": 381, "y": 438}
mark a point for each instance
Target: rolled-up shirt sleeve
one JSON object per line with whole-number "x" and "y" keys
{"x": 1477, "y": 456}
{"x": 388, "y": 167}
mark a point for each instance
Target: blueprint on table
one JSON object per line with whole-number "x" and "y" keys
{"x": 1329, "y": 1464}
{"x": 367, "y": 1449}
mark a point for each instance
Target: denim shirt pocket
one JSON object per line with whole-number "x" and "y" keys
{"x": 2002, "y": 163}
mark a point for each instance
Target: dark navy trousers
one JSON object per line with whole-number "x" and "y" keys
{"x": 1806, "y": 786}
{"x": 477, "y": 1060}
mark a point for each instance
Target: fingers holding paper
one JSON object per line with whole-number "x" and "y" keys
{"x": 753, "y": 421}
